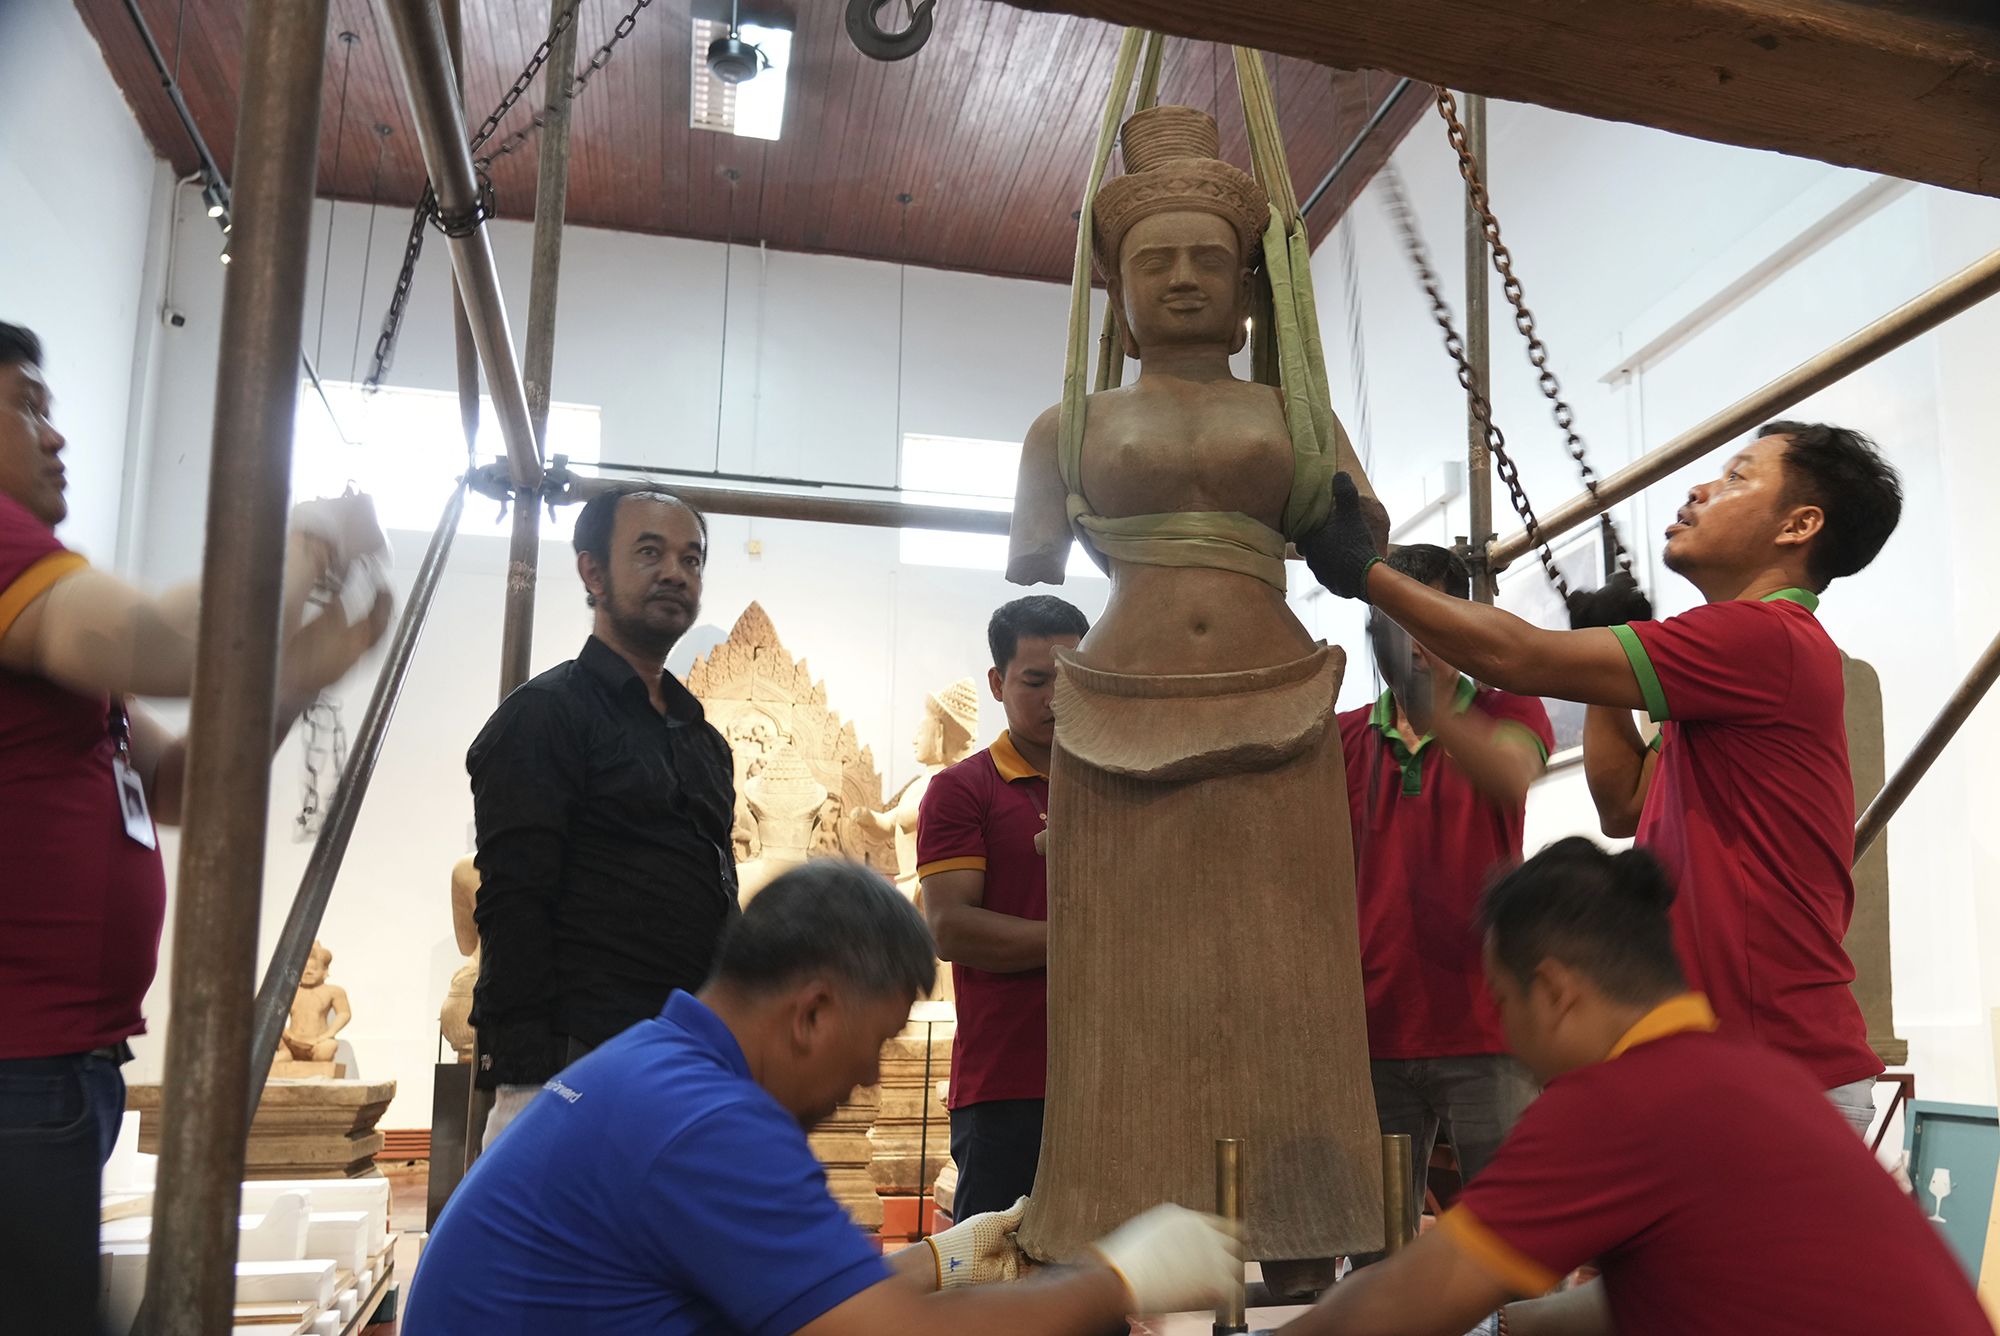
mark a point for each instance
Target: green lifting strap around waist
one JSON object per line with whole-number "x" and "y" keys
{"x": 1226, "y": 540}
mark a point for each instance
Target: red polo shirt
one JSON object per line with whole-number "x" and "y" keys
{"x": 1425, "y": 842}
{"x": 984, "y": 813}
{"x": 81, "y": 902}
{"x": 1751, "y": 809}
{"x": 1717, "y": 1190}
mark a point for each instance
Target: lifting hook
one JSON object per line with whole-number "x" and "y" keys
{"x": 871, "y": 40}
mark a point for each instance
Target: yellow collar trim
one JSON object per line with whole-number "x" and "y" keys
{"x": 1009, "y": 762}
{"x": 1676, "y": 1015}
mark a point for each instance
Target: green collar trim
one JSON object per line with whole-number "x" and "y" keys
{"x": 1383, "y": 719}
{"x": 1805, "y": 598}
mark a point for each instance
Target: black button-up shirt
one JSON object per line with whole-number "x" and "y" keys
{"x": 606, "y": 873}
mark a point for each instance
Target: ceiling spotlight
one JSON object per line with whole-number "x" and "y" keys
{"x": 733, "y": 60}
{"x": 211, "y": 195}
{"x": 224, "y": 257}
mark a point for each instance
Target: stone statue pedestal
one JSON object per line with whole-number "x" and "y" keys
{"x": 303, "y": 1129}
{"x": 290, "y": 1069}
{"x": 842, "y": 1145}
{"x": 912, "y": 1133}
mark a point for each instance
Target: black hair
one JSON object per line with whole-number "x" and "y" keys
{"x": 831, "y": 917}
{"x": 600, "y": 514}
{"x": 1427, "y": 563}
{"x": 1036, "y": 616}
{"x": 1843, "y": 473}
{"x": 19, "y": 344}
{"x": 1602, "y": 914}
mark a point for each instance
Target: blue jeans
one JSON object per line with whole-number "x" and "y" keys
{"x": 59, "y": 1119}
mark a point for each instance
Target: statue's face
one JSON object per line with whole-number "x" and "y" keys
{"x": 314, "y": 974}
{"x": 929, "y": 744}
{"x": 1182, "y": 281}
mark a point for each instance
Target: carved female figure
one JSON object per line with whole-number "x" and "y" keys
{"x": 1203, "y": 970}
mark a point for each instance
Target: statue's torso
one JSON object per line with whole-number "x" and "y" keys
{"x": 1166, "y": 446}
{"x": 908, "y": 804}
{"x": 310, "y": 1007}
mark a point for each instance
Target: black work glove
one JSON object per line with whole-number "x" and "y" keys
{"x": 1340, "y": 551}
{"x": 1618, "y": 602}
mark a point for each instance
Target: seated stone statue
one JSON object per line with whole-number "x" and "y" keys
{"x": 319, "y": 1012}
{"x": 1204, "y": 977}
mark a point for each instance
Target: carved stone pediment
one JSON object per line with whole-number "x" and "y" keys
{"x": 765, "y": 701}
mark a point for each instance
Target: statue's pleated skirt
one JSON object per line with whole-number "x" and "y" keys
{"x": 1204, "y": 974}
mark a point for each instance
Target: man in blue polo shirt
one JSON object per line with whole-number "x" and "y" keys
{"x": 664, "y": 1183}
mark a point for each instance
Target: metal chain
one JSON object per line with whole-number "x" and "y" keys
{"x": 464, "y": 224}
{"x": 1524, "y": 319}
{"x": 323, "y": 738}
{"x": 598, "y": 60}
{"x": 1482, "y": 409}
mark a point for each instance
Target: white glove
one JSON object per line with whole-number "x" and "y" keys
{"x": 1172, "y": 1259}
{"x": 320, "y": 653}
{"x": 979, "y": 1249}
{"x": 348, "y": 527}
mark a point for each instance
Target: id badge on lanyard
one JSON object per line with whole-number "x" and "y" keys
{"x": 131, "y": 792}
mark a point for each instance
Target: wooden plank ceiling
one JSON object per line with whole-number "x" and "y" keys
{"x": 988, "y": 129}
{"x": 1909, "y": 88}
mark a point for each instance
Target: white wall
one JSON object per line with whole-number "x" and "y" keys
{"x": 1670, "y": 277}
{"x": 811, "y": 391}
{"x": 77, "y": 179}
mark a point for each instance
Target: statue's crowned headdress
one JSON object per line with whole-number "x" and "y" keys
{"x": 957, "y": 705}
{"x": 1171, "y": 167}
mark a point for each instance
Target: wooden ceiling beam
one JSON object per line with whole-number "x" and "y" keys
{"x": 1910, "y": 88}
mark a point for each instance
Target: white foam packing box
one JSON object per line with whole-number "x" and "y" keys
{"x": 342, "y": 1235}
{"x": 329, "y": 1196}
{"x": 270, "y": 1282}
{"x": 278, "y": 1235}
{"x": 122, "y": 1282}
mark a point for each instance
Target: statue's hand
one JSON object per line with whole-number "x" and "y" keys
{"x": 1340, "y": 551}
{"x": 1618, "y": 602}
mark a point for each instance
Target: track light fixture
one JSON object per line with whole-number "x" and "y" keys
{"x": 211, "y": 195}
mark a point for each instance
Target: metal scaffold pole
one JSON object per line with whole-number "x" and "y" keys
{"x": 191, "y": 1281}
{"x": 1478, "y": 354}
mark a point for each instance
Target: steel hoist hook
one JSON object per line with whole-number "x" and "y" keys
{"x": 873, "y": 41}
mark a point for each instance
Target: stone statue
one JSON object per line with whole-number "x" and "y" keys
{"x": 945, "y": 736}
{"x": 455, "y": 1016}
{"x": 1204, "y": 976}
{"x": 787, "y": 802}
{"x": 319, "y": 1012}
{"x": 766, "y": 702}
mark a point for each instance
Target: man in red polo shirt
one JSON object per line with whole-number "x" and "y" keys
{"x": 1704, "y": 1176}
{"x": 1437, "y": 784}
{"x": 985, "y": 892}
{"x": 84, "y": 774}
{"x": 1749, "y": 802}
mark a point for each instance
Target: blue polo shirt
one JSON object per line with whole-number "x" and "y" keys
{"x": 652, "y": 1187}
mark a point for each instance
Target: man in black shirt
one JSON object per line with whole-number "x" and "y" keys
{"x": 603, "y": 800}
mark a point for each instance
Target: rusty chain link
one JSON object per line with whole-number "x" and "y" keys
{"x": 1482, "y": 409}
{"x": 1524, "y": 321}
{"x": 464, "y": 223}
